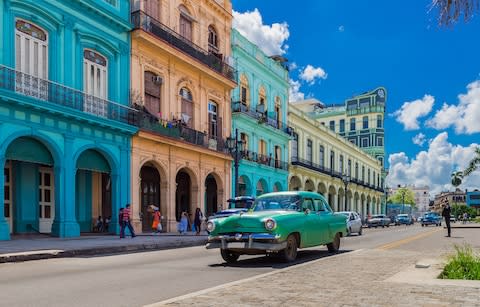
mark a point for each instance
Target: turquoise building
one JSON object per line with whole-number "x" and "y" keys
{"x": 65, "y": 125}
{"x": 259, "y": 117}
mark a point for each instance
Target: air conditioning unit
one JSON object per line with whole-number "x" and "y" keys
{"x": 157, "y": 80}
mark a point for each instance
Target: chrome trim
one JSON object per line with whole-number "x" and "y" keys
{"x": 247, "y": 241}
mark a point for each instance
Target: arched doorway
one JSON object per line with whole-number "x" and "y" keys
{"x": 295, "y": 184}
{"x": 150, "y": 194}
{"x": 211, "y": 195}
{"x": 322, "y": 189}
{"x": 244, "y": 186}
{"x": 183, "y": 192}
{"x": 277, "y": 187}
{"x": 29, "y": 186}
{"x": 93, "y": 196}
{"x": 331, "y": 198}
{"x": 261, "y": 187}
{"x": 309, "y": 186}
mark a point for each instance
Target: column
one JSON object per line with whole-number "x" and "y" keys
{"x": 65, "y": 222}
{"x": 4, "y": 226}
{"x": 134, "y": 192}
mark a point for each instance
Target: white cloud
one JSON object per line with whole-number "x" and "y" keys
{"x": 411, "y": 111}
{"x": 341, "y": 29}
{"x": 294, "y": 91}
{"x": 419, "y": 139}
{"x": 292, "y": 66}
{"x": 310, "y": 74}
{"x": 433, "y": 166}
{"x": 270, "y": 38}
{"x": 464, "y": 116}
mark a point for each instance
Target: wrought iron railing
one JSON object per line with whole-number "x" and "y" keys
{"x": 140, "y": 20}
{"x": 175, "y": 129}
{"x": 240, "y": 107}
{"x": 263, "y": 159}
{"x": 48, "y": 91}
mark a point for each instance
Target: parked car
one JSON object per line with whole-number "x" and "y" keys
{"x": 431, "y": 218}
{"x": 278, "y": 223}
{"x": 404, "y": 219}
{"x": 453, "y": 219}
{"x": 378, "y": 220}
{"x": 354, "y": 222}
{"x": 235, "y": 206}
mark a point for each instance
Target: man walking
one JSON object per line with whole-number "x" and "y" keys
{"x": 446, "y": 214}
{"x": 125, "y": 214}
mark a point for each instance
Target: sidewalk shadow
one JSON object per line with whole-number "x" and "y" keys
{"x": 275, "y": 262}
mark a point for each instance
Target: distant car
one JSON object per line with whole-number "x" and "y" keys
{"x": 420, "y": 218}
{"x": 378, "y": 220}
{"x": 235, "y": 206}
{"x": 431, "y": 218}
{"x": 403, "y": 219}
{"x": 354, "y": 222}
{"x": 453, "y": 219}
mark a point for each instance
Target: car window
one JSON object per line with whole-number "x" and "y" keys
{"x": 319, "y": 205}
{"x": 277, "y": 202}
{"x": 307, "y": 204}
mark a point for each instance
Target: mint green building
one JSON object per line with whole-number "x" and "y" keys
{"x": 259, "y": 119}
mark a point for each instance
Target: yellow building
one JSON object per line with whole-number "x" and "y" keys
{"x": 181, "y": 82}
{"x": 323, "y": 161}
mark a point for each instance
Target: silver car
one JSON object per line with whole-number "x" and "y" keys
{"x": 354, "y": 222}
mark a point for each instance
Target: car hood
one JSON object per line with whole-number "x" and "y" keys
{"x": 248, "y": 222}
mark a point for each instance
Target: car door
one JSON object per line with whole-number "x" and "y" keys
{"x": 356, "y": 222}
{"x": 324, "y": 219}
{"x": 310, "y": 231}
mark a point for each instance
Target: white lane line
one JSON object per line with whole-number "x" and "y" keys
{"x": 241, "y": 281}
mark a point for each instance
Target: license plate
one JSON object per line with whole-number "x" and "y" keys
{"x": 236, "y": 245}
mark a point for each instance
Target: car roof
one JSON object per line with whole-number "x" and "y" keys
{"x": 240, "y": 198}
{"x": 302, "y": 194}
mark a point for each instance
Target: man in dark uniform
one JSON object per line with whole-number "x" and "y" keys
{"x": 446, "y": 214}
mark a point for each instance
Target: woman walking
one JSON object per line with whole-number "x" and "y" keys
{"x": 156, "y": 225}
{"x": 198, "y": 220}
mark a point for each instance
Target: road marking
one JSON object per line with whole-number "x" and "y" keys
{"x": 407, "y": 240}
{"x": 241, "y": 281}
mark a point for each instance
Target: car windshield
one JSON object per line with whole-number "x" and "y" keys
{"x": 243, "y": 203}
{"x": 278, "y": 202}
{"x": 345, "y": 213}
{"x": 402, "y": 215}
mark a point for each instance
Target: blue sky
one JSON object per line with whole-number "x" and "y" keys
{"x": 340, "y": 48}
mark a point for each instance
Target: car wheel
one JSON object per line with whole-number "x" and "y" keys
{"x": 360, "y": 231}
{"x": 228, "y": 256}
{"x": 335, "y": 245}
{"x": 388, "y": 225}
{"x": 289, "y": 254}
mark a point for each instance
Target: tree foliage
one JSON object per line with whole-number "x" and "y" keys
{"x": 403, "y": 195}
{"x": 474, "y": 163}
{"x": 461, "y": 209}
{"x": 452, "y": 10}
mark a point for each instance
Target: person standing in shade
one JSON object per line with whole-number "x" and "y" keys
{"x": 126, "y": 222}
{"x": 446, "y": 214}
{"x": 198, "y": 220}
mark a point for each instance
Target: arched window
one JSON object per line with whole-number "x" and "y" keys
{"x": 262, "y": 100}
{"x": 185, "y": 23}
{"x": 187, "y": 107}
{"x": 212, "y": 39}
{"x": 31, "y": 58}
{"x": 153, "y": 85}
{"x": 95, "y": 82}
{"x": 244, "y": 91}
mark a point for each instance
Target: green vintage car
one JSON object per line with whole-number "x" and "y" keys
{"x": 278, "y": 223}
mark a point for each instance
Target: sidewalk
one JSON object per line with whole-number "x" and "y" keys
{"x": 43, "y": 247}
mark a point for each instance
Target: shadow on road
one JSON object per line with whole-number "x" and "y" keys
{"x": 276, "y": 262}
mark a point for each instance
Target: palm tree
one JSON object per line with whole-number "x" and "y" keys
{"x": 473, "y": 164}
{"x": 451, "y": 10}
{"x": 457, "y": 178}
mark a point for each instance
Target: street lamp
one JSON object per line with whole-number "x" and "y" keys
{"x": 233, "y": 145}
{"x": 346, "y": 180}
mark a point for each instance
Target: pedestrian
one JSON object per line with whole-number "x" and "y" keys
{"x": 156, "y": 225}
{"x": 107, "y": 223}
{"x": 465, "y": 217}
{"x": 198, "y": 220}
{"x": 126, "y": 222}
{"x": 98, "y": 225}
{"x": 120, "y": 221}
{"x": 446, "y": 214}
{"x": 183, "y": 224}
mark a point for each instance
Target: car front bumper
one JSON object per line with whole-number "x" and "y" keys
{"x": 253, "y": 241}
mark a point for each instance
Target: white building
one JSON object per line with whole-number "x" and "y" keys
{"x": 421, "y": 193}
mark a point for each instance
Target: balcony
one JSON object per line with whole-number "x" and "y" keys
{"x": 264, "y": 160}
{"x": 315, "y": 167}
{"x": 51, "y": 92}
{"x": 176, "y": 130}
{"x": 142, "y": 21}
{"x": 239, "y": 107}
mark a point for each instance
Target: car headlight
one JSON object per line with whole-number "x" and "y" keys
{"x": 210, "y": 226}
{"x": 270, "y": 224}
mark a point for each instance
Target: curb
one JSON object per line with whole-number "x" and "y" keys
{"x": 40, "y": 255}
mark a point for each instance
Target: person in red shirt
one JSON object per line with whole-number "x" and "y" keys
{"x": 125, "y": 222}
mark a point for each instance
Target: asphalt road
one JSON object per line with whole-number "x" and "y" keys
{"x": 144, "y": 278}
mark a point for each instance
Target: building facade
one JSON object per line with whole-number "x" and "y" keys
{"x": 457, "y": 197}
{"x": 181, "y": 84}
{"x": 323, "y": 161}
{"x": 421, "y": 196}
{"x": 473, "y": 199}
{"x": 65, "y": 128}
{"x": 259, "y": 117}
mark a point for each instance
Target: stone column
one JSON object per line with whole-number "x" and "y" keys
{"x": 135, "y": 192}
{"x": 116, "y": 205}
{"x": 4, "y": 226}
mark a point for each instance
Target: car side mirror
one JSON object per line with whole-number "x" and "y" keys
{"x": 352, "y": 218}
{"x": 307, "y": 211}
